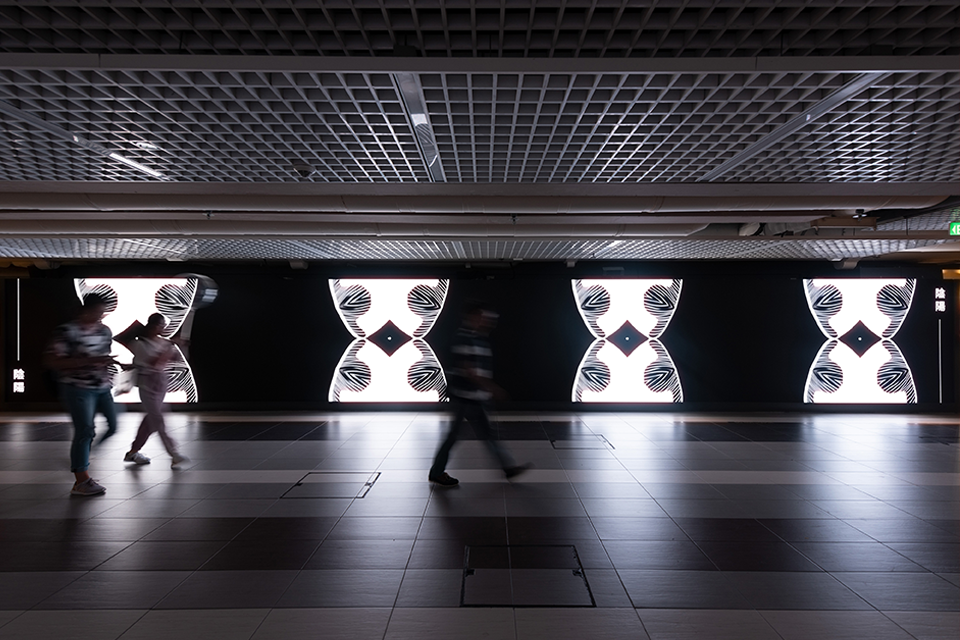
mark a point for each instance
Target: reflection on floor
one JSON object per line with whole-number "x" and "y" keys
{"x": 629, "y": 526}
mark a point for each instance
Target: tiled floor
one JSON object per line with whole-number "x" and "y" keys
{"x": 630, "y": 526}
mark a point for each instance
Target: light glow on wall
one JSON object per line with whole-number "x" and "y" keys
{"x": 389, "y": 360}
{"x": 135, "y": 299}
{"x": 859, "y": 363}
{"x": 627, "y": 362}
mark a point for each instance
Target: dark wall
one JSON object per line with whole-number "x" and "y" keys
{"x": 742, "y": 336}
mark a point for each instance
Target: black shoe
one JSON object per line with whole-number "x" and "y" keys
{"x": 444, "y": 480}
{"x": 512, "y": 472}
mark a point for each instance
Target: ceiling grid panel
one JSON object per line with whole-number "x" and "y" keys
{"x": 572, "y": 28}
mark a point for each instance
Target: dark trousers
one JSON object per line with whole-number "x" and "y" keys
{"x": 476, "y": 414}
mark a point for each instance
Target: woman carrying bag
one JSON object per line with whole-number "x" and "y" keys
{"x": 151, "y": 354}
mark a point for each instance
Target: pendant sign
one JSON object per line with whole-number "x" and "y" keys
{"x": 955, "y": 228}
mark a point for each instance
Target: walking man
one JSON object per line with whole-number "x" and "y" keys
{"x": 79, "y": 354}
{"x": 471, "y": 388}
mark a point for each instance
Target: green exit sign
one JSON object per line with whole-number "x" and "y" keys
{"x": 955, "y": 228}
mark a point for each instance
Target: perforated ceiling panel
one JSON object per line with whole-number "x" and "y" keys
{"x": 741, "y": 249}
{"x": 210, "y": 126}
{"x": 503, "y": 127}
{"x": 568, "y": 28}
{"x": 905, "y": 127}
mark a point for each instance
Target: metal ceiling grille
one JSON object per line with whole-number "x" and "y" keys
{"x": 562, "y": 29}
{"x": 904, "y": 128}
{"x": 180, "y": 249}
{"x": 224, "y": 126}
{"x": 210, "y": 126}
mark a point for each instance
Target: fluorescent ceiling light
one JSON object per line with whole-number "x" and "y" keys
{"x": 136, "y": 165}
{"x": 62, "y": 133}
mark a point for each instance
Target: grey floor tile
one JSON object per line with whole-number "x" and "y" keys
{"x": 682, "y": 590}
{"x": 430, "y": 588}
{"x": 76, "y": 625}
{"x": 926, "y": 625}
{"x": 361, "y": 554}
{"x": 938, "y": 557}
{"x": 229, "y": 590}
{"x": 856, "y": 556}
{"x": 343, "y": 588}
{"x": 307, "y": 508}
{"x": 545, "y": 507}
{"x": 162, "y": 556}
{"x": 387, "y": 507}
{"x": 442, "y": 507}
{"x": 462, "y": 624}
{"x": 668, "y": 555}
{"x": 836, "y": 625}
{"x": 679, "y": 624}
{"x": 904, "y": 591}
{"x": 815, "y": 530}
{"x": 211, "y": 624}
{"x": 599, "y": 624}
{"x": 685, "y": 508}
{"x": 623, "y": 508}
{"x": 336, "y": 624}
{"x": 235, "y": 508}
{"x": 607, "y": 589}
{"x": 952, "y": 578}
{"x": 116, "y": 590}
{"x": 902, "y": 530}
{"x": 796, "y": 591}
{"x": 21, "y": 591}
{"x": 149, "y": 508}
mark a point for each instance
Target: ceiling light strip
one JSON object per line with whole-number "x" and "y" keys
{"x": 62, "y": 133}
{"x": 408, "y": 86}
{"x": 836, "y": 98}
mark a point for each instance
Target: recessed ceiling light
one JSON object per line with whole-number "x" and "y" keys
{"x": 146, "y": 146}
{"x": 136, "y": 165}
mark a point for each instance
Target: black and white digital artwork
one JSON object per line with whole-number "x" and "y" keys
{"x": 860, "y": 363}
{"x": 135, "y": 299}
{"x": 389, "y": 359}
{"x": 627, "y": 362}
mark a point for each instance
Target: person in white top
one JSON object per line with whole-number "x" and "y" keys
{"x": 151, "y": 354}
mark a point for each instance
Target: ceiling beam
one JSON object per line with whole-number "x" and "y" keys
{"x": 330, "y": 64}
{"x": 926, "y": 190}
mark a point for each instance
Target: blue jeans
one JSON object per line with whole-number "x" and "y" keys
{"x": 83, "y": 404}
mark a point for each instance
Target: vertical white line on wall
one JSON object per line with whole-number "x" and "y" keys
{"x": 940, "y": 355}
{"x": 18, "y": 319}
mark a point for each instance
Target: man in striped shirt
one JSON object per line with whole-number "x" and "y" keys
{"x": 471, "y": 386}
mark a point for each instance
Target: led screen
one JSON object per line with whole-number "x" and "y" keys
{"x": 627, "y": 361}
{"x": 860, "y": 363}
{"x": 135, "y": 299}
{"x": 389, "y": 359}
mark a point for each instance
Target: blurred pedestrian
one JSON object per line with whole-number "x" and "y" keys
{"x": 79, "y": 355}
{"x": 471, "y": 387}
{"x": 152, "y": 352}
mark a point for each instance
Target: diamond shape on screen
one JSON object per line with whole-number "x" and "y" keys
{"x": 859, "y": 338}
{"x": 389, "y": 337}
{"x": 627, "y": 338}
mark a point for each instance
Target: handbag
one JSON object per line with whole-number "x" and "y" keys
{"x": 125, "y": 381}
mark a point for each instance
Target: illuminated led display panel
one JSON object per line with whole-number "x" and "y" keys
{"x": 627, "y": 362}
{"x": 130, "y": 299}
{"x": 860, "y": 363}
{"x": 389, "y": 359}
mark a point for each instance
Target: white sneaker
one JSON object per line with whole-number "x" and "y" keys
{"x": 137, "y": 458}
{"x": 177, "y": 459}
{"x": 88, "y": 487}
